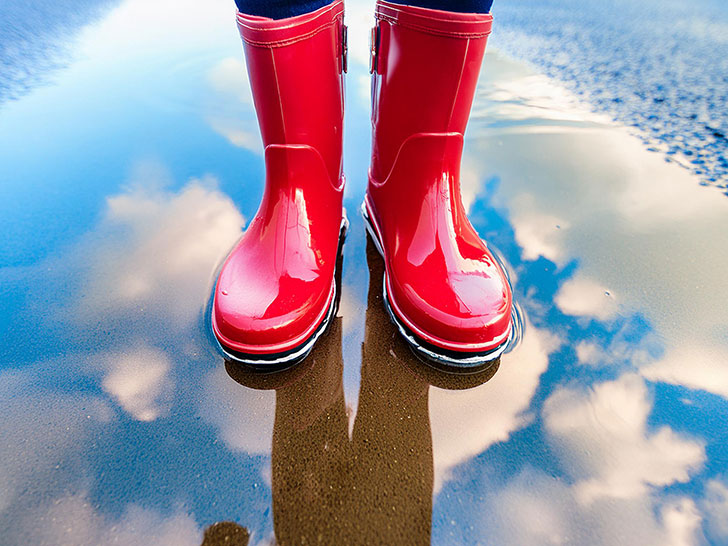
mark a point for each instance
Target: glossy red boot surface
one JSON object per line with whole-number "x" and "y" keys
{"x": 276, "y": 292}
{"x": 448, "y": 295}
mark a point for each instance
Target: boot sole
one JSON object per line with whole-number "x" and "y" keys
{"x": 442, "y": 359}
{"x": 275, "y": 362}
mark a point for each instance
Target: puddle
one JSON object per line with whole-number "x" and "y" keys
{"x": 604, "y": 423}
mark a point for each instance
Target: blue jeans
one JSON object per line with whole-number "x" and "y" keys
{"x": 280, "y": 9}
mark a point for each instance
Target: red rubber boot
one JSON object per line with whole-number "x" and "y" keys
{"x": 443, "y": 288}
{"x": 276, "y": 292}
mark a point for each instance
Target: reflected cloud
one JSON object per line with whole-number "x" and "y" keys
{"x": 230, "y": 112}
{"x": 44, "y": 497}
{"x": 704, "y": 28}
{"x": 678, "y": 201}
{"x": 583, "y": 297}
{"x": 537, "y": 233}
{"x": 164, "y": 27}
{"x": 681, "y": 520}
{"x": 527, "y": 96}
{"x": 155, "y": 249}
{"x": 535, "y": 509}
{"x": 35, "y": 43}
{"x": 703, "y": 368}
{"x": 360, "y": 20}
{"x": 142, "y": 274}
{"x": 589, "y": 354}
{"x": 615, "y": 467}
{"x": 231, "y": 127}
{"x": 532, "y": 509}
{"x": 139, "y": 382}
{"x": 603, "y": 439}
{"x": 230, "y": 77}
{"x": 73, "y": 520}
{"x": 148, "y": 264}
{"x": 715, "y": 507}
{"x": 33, "y": 455}
{"x": 243, "y": 417}
{"x": 466, "y": 423}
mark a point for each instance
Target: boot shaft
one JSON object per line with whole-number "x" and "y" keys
{"x": 296, "y": 70}
{"x": 426, "y": 65}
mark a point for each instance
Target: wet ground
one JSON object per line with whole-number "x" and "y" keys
{"x": 658, "y": 66}
{"x": 129, "y": 168}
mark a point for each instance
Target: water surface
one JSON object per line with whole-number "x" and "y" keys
{"x": 127, "y": 177}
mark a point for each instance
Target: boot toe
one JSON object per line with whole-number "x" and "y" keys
{"x": 268, "y": 314}
{"x": 458, "y": 312}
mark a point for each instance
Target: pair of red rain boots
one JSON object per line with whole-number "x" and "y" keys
{"x": 447, "y": 295}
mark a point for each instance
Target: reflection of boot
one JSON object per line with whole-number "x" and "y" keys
{"x": 392, "y": 440}
{"x": 225, "y": 533}
{"x": 275, "y": 293}
{"x": 311, "y": 452}
{"x": 448, "y": 295}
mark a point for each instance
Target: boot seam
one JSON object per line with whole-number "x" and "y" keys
{"x": 430, "y": 30}
{"x": 337, "y": 184}
{"x": 288, "y": 41}
{"x": 385, "y": 179}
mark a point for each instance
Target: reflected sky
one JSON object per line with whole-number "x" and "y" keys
{"x": 127, "y": 179}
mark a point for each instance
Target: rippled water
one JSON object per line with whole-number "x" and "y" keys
{"x": 126, "y": 178}
{"x": 660, "y": 66}
{"x": 33, "y": 39}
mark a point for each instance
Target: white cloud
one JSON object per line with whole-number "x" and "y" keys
{"x": 229, "y": 110}
{"x": 360, "y": 20}
{"x": 164, "y": 26}
{"x": 696, "y": 367}
{"x": 621, "y": 350}
{"x": 73, "y": 520}
{"x": 538, "y": 233}
{"x": 716, "y": 31}
{"x": 681, "y": 520}
{"x": 532, "y": 509}
{"x": 229, "y": 77}
{"x": 536, "y": 509}
{"x": 139, "y": 382}
{"x": 524, "y": 96}
{"x": 469, "y": 182}
{"x": 647, "y": 209}
{"x": 233, "y": 128}
{"x": 588, "y": 353}
{"x": 466, "y": 423}
{"x": 351, "y": 311}
{"x": 142, "y": 526}
{"x": 613, "y": 468}
{"x": 583, "y": 297}
{"x": 44, "y": 476}
{"x": 715, "y": 507}
{"x": 35, "y": 456}
{"x": 603, "y": 439}
{"x": 144, "y": 274}
{"x": 243, "y": 417}
{"x": 157, "y": 250}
